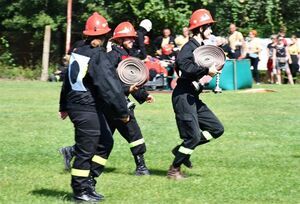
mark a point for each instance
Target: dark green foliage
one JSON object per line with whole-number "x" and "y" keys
{"x": 18, "y": 72}
{"x": 30, "y": 16}
{"x": 33, "y": 15}
{"x": 5, "y": 54}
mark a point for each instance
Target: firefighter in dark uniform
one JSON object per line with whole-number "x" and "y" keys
{"x": 196, "y": 123}
{"x": 139, "y": 48}
{"x": 90, "y": 85}
{"x": 123, "y": 37}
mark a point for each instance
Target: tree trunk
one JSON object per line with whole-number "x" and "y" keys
{"x": 46, "y": 52}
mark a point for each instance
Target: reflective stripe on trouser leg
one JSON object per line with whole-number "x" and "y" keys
{"x": 98, "y": 165}
{"x": 80, "y": 172}
{"x": 136, "y": 143}
{"x": 207, "y": 135}
{"x": 185, "y": 150}
{"x": 99, "y": 160}
{"x": 182, "y": 154}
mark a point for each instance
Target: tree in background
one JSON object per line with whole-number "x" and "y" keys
{"x": 291, "y": 15}
{"x": 32, "y": 15}
{"x": 27, "y": 18}
{"x": 5, "y": 54}
{"x": 23, "y": 23}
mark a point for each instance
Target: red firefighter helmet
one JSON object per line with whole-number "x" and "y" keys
{"x": 96, "y": 25}
{"x": 167, "y": 49}
{"x": 146, "y": 40}
{"x": 199, "y": 18}
{"x": 123, "y": 30}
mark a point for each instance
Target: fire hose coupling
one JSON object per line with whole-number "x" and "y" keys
{"x": 133, "y": 71}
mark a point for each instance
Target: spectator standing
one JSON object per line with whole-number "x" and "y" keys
{"x": 280, "y": 60}
{"x": 236, "y": 41}
{"x": 270, "y": 48}
{"x": 253, "y": 50}
{"x": 294, "y": 52}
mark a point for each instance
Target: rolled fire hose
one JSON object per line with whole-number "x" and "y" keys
{"x": 206, "y": 56}
{"x": 133, "y": 71}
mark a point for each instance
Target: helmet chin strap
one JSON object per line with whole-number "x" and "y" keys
{"x": 199, "y": 38}
{"x": 202, "y": 35}
{"x": 202, "y": 32}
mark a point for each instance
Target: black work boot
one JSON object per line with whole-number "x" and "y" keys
{"x": 92, "y": 187}
{"x": 187, "y": 162}
{"x": 68, "y": 154}
{"x": 141, "y": 168}
{"x": 85, "y": 195}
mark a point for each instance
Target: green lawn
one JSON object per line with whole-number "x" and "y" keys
{"x": 257, "y": 159}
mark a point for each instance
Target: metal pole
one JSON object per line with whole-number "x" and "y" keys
{"x": 69, "y": 21}
{"x": 235, "y": 74}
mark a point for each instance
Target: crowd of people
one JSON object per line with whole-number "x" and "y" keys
{"x": 97, "y": 103}
{"x": 283, "y": 56}
{"x": 159, "y": 54}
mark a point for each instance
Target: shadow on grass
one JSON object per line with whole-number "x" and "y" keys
{"x": 163, "y": 173}
{"x": 158, "y": 172}
{"x": 154, "y": 172}
{"x": 52, "y": 193}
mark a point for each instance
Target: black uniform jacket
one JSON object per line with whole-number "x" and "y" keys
{"x": 116, "y": 55}
{"x": 139, "y": 49}
{"x": 103, "y": 88}
{"x": 185, "y": 65}
{"x": 76, "y": 45}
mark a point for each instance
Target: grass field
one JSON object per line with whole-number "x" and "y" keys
{"x": 257, "y": 160}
